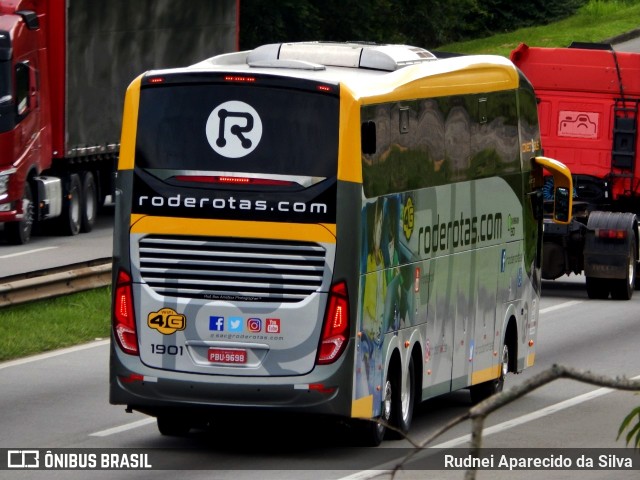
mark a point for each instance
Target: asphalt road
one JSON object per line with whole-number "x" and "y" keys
{"x": 52, "y": 251}
{"x": 60, "y": 400}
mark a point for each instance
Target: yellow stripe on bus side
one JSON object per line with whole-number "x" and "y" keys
{"x": 362, "y": 407}
{"x": 486, "y": 374}
{"x": 323, "y": 233}
{"x": 460, "y": 76}
{"x": 349, "y": 155}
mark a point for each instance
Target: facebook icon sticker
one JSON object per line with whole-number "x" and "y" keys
{"x": 216, "y": 323}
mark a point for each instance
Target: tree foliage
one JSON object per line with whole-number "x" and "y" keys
{"x": 424, "y": 23}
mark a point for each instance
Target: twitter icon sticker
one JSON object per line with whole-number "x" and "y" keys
{"x": 235, "y": 324}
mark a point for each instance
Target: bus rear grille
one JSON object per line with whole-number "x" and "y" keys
{"x": 231, "y": 269}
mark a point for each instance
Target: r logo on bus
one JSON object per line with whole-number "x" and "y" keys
{"x": 234, "y": 129}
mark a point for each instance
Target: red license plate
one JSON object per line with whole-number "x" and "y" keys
{"x": 227, "y": 355}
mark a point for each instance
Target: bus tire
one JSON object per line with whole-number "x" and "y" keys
{"x": 172, "y": 426}
{"x": 403, "y": 401}
{"x": 19, "y": 233}
{"x": 484, "y": 390}
{"x": 89, "y": 207}
{"x": 622, "y": 289}
{"x": 371, "y": 432}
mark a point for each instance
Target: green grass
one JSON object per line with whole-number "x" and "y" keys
{"x": 54, "y": 323}
{"x": 82, "y": 317}
{"x": 596, "y": 21}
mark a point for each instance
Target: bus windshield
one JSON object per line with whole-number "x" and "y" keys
{"x": 226, "y": 128}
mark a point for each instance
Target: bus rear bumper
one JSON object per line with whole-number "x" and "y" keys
{"x": 315, "y": 393}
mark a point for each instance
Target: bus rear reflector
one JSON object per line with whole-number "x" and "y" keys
{"x": 335, "y": 332}
{"x": 124, "y": 321}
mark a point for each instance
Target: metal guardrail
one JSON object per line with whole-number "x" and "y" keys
{"x": 54, "y": 282}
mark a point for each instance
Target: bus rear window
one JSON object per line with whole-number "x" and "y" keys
{"x": 226, "y": 128}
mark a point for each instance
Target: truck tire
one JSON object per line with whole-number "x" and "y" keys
{"x": 89, "y": 207}
{"x": 19, "y": 233}
{"x": 71, "y": 218}
{"x": 597, "y": 288}
{"x": 622, "y": 289}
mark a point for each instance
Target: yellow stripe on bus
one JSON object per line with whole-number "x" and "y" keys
{"x": 144, "y": 224}
{"x": 129, "y": 126}
{"x": 362, "y": 407}
{"x": 485, "y": 374}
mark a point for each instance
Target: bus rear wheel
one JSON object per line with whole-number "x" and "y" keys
{"x": 484, "y": 390}
{"x": 371, "y": 432}
{"x": 403, "y": 401}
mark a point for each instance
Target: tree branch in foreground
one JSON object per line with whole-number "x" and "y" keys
{"x": 478, "y": 413}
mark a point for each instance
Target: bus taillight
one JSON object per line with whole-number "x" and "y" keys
{"x": 336, "y": 325}
{"x": 124, "y": 321}
{"x": 611, "y": 234}
{"x": 230, "y": 180}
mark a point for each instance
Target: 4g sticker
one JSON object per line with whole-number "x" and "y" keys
{"x": 166, "y": 321}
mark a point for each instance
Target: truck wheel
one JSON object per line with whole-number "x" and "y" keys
{"x": 89, "y": 205}
{"x": 70, "y": 219}
{"x": 597, "y": 288}
{"x": 622, "y": 289}
{"x": 19, "y": 233}
{"x": 484, "y": 390}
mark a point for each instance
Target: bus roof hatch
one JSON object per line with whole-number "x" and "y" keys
{"x": 351, "y": 54}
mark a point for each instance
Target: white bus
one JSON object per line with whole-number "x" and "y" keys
{"x": 339, "y": 229}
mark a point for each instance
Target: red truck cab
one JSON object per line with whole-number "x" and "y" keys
{"x": 25, "y": 127}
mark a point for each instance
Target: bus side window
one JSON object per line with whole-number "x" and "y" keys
{"x": 368, "y": 137}
{"x": 22, "y": 90}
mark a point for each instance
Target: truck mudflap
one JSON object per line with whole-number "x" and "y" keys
{"x": 611, "y": 254}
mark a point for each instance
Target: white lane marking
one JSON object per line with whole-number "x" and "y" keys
{"x": 55, "y": 353}
{"x": 28, "y": 252}
{"x": 123, "y": 428}
{"x": 559, "y": 306}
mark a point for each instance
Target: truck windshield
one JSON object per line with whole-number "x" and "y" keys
{"x": 7, "y": 117}
{"x": 238, "y": 128}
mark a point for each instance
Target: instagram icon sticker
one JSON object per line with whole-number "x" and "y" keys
{"x": 254, "y": 324}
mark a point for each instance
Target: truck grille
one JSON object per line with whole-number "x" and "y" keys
{"x": 231, "y": 269}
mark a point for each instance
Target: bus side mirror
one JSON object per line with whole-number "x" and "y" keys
{"x": 563, "y": 188}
